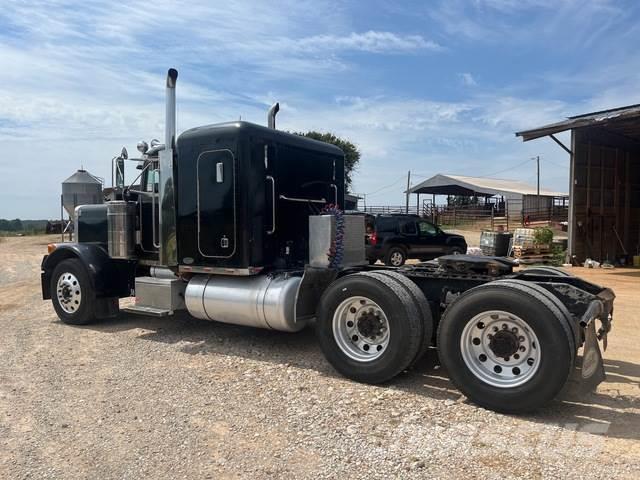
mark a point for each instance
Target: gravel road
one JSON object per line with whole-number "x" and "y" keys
{"x": 139, "y": 397}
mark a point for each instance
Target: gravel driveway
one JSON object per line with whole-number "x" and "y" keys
{"x": 139, "y": 397}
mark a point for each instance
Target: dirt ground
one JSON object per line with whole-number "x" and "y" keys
{"x": 138, "y": 397}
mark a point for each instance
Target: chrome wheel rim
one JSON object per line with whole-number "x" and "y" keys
{"x": 68, "y": 292}
{"x": 396, "y": 259}
{"x": 361, "y": 329}
{"x": 500, "y": 348}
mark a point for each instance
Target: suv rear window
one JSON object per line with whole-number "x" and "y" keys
{"x": 386, "y": 224}
{"x": 409, "y": 227}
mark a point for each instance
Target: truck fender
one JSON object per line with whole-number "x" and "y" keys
{"x": 109, "y": 277}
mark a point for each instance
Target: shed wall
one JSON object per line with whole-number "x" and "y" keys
{"x": 605, "y": 196}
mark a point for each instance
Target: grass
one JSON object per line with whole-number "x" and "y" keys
{"x": 25, "y": 233}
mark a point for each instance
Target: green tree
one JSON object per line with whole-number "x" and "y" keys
{"x": 462, "y": 201}
{"x": 15, "y": 225}
{"x": 351, "y": 152}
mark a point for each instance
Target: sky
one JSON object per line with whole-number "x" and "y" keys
{"x": 427, "y": 86}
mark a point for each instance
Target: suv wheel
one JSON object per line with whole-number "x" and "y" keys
{"x": 395, "y": 257}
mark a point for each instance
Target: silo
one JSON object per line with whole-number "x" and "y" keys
{"x": 81, "y": 188}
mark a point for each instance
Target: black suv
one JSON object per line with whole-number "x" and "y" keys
{"x": 395, "y": 238}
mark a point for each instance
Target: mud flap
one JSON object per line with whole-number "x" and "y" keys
{"x": 107, "y": 307}
{"x": 592, "y": 369}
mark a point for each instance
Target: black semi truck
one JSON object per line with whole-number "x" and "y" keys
{"x": 240, "y": 223}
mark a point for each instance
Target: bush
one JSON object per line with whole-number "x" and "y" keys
{"x": 559, "y": 255}
{"x": 542, "y": 236}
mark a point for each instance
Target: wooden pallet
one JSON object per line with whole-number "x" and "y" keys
{"x": 536, "y": 259}
{"x": 530, "y": 251}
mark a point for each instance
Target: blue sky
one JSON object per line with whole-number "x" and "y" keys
{"x": 428, "y": 86}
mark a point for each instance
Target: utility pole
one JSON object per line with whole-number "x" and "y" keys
{"x": 538, "y": 171}
{"x": 408, "y": 187}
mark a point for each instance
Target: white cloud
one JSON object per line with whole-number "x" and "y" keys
{"x": 468, "y": 80}
{"x": 528, "y": 22}
{"x": 371, "y": 41}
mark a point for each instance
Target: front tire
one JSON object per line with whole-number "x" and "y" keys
{"x": 72, "y": 293}
{"x": 369, "y": 327}
{"x": 507, "y": 346}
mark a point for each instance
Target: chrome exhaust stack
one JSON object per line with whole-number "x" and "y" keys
{"x": 271, "y": 115}
{"x": 168, "y": 251}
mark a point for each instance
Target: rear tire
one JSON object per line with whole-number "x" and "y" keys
{"x": 368, "y": 327}
{"x": 423, "y": 307}
{"x": 395, "y": 257}
{"x": 72, "y": 293}
{"x": 514, "y": 369}
{"x": 551, "y": 271}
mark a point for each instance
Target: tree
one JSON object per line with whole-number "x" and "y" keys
{"x": 461, "y": 200}
{"x": 351, "y": 152}
{"x": 15, "y": 225}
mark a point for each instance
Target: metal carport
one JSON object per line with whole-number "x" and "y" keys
{"x": 519, "y": 196}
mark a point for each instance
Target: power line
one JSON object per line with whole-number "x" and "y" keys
{"x": 556, "y": 164}
{"x": 507, "y": 169}
{"x": 386, "y": 186}
{"x": 485, "y": 175}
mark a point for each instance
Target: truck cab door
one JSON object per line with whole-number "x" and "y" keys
{"x": 216, "y": 204}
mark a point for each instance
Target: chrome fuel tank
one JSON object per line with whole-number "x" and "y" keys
{"x": 121, "y": 222}
{"x": 262, "y": 301}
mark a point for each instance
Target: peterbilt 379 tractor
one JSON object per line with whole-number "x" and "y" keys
{"x": 241, "y": 224}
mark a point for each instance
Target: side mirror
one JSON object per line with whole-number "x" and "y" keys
{"x": 120, "y": 172}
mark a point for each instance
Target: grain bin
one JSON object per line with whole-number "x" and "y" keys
{"x": 81, "y": 188}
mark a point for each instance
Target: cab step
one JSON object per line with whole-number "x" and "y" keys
{"x": 147, "y": 310}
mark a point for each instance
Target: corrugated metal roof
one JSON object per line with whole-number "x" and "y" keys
{"x": 444, "y": 184}
{"x": 82, "y": 176}
{"x": 603, "y": 117}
